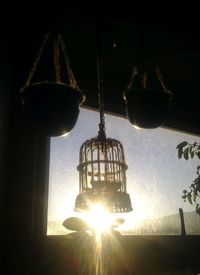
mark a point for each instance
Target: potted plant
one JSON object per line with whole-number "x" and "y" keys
{"x": 189, "y": 151}
{"x": 51, "y": 107}
{"x": 146, "y": 106}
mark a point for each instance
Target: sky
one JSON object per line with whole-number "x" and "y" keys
{"x": 156, "y": 177}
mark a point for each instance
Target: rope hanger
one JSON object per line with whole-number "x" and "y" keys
{"x": 141, "y": 51}
{"x": 100, "y": 81}
{"x": 58, "y": 47}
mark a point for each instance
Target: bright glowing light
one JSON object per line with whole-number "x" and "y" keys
{"x": 136, "y": 127}
{"x": 66, "y": 134}
{"x": 98, "y": 218}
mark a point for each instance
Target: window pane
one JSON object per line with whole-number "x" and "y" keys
{"x": 156, "y": 177}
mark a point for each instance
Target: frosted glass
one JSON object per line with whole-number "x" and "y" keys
{"x": 156, "y": 177}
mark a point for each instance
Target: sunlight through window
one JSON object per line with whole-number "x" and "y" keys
{"x": 156, "y": 177}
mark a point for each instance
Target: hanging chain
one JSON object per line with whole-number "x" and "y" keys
{"x": 35, "y": 64}
{"x": 100, "y": 85}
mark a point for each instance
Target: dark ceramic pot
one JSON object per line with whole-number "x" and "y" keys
{"x": 147, "y": 108}
{"x": 52, "y": 109}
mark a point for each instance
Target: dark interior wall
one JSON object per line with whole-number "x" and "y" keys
{"x": 4, "y": 95}
{"x": 16, "y": 172}
{"x": 17, "y": 157}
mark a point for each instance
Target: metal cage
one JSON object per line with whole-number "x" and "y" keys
{"x": 102, "y": 175}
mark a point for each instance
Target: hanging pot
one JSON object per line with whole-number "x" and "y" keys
{"x": 147, "y": 108}
{"x": 52, "y": 109}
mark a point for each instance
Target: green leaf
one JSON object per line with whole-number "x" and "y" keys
{"x": 186, "y": 153}
{"x": 198, "y": 170}
{"x": 189, "y": 197}
{"x": 198, "y": 188}
{"x": 198, "y": 209}
{"x": 194, "y": 195}
{"x": 182, "y": 144}
{"x": 198, "y": 154}
{"x": 180, "y": 153}
{"x": 180, "y": 147}
{"x": 192, "y": 186}
{"x": 192, "y": 154}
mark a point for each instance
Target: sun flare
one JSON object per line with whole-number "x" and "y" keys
{"x": 98, "y": 218}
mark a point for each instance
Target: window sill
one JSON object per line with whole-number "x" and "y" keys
{"x": 137, "y": 253}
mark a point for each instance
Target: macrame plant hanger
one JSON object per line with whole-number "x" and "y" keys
{"x": 52, "y": 105}
{"x": 147, "y": 102}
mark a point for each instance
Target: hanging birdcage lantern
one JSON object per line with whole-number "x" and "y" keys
{"x": 51, "y": 106}
{"x": 102, "y": 167}
{"x": 102, "y": 175}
